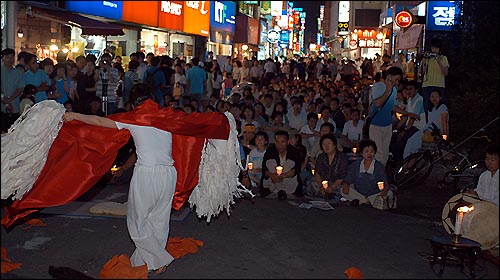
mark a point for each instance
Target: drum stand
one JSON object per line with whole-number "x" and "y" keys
{"x": 464, "y": 249}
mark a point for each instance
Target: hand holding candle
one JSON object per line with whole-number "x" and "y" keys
{"x": 380, "y": 186}
{"x": 114, "y": 169}
{"x": 279, "y": 170}
{"x": 354, "y": 150}
{"x": 445, "y": 137}
{"x": 250, "y": 165}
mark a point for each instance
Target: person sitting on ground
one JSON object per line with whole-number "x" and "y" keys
{"x": 331, "y": 166}
{"x": 283, "y": 155}
{"x": 487, "y": 187}
{"x": 360, "y": 185}
{"x": 256, "y": 157}
{"x": 353, "y": 131}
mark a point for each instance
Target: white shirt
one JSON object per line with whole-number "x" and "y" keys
{"x": 416, "y": 105}
{"x": 370, "y": 169}
{"x": 311, "y": 141}
{"x": 354, "y": 133}
{"x": 270, "y": 67}
{"x": 298, "y": 121}
{"x": 153, "y": 146}
{"x": 487, "y": 187}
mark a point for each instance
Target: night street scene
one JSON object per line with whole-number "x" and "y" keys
{"x": 250, "y": 139}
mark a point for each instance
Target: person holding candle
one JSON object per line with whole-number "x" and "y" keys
{"x": 437, "y": 113}
{"x": 284, "y": 155}
{"x": 331, "y": 166}
{"x": 353, "y": 131}
{"x": 256, "y": 157}
{"x": 361, "y": 185}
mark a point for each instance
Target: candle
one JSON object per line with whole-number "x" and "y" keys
{"x": 458, "y": 222}
{"x": 325, "y": 184}
{"x": 114, "y": 169}
{"x": 319, "y": 116}
{"x": 312, "y": 171}
{"x": 279, "y": 170}
{"x": 380, "y": 185}
{"x": 445, "y": 137}
{"x": 354, "y": 150}
{"x": 460, "y": 216}
{"x": 250, "y": 165}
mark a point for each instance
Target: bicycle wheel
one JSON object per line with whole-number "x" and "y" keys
{"x": 412, "y": 171}
{"x": 469, "y": 176}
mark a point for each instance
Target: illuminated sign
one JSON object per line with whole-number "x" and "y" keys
{"x": 343, "y": 11}
{"x": 276, "y": 8}
{"x": 223, "y": 15}
{"x": 367, "y": 34}
{"x": 343, "y": 28}
{"x": 321, "y": 12}
{"x": 171, "y": 14}
{"x": 441, "y": 15}
{"x": 171, "y": 8}
{"x": 404, "y": 19}
{"x": 273, "y": 36}
{"x": 107, "y": 9}
{"x": 197, "y": 17}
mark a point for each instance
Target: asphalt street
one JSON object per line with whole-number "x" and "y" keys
{"x": 261, "y": 238}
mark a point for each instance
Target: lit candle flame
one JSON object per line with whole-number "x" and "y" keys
{"x": 279, "y": 170}
{"x": 354, "y": 150}
{"x": 445, "y": 137}
{"x": 325, "y": 184}
{"x": 250, "y": 165}
{"x": 312, "y": 171}
{"x": 380, "y": 185}
{"x": 465, "y": 209}
{"x": 114, "y": 169}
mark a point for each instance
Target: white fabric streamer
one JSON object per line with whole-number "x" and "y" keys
{"x": 218, "y": 175}
{"x": 26, "y": 145}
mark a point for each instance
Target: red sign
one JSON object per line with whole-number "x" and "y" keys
{"x": 367, "y": 34}
{"x": 404, "y": 19}
{"x": 353, "y": 43}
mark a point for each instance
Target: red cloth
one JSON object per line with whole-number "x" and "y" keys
{"x": 81, "y": 154}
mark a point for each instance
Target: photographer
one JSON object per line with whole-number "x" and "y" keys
{"x": 435, "y": 69}
{"x": 108, "y": 77}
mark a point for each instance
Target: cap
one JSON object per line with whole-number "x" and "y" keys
{"x": 249, "y": 128}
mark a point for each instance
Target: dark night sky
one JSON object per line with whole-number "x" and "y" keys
{"x": 312, "y": 10}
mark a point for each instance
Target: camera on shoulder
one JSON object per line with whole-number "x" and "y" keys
{"x": 429, "y": 54}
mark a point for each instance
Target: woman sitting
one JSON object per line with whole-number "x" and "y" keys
{"x": 360, "y": 185}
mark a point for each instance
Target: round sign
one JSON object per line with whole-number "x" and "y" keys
{"x": 353, "y": 43}
{"x": 404, "y": 19}
{"x": 273, "y": 36}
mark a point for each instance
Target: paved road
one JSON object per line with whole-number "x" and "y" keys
{"x": 262, "y": 238}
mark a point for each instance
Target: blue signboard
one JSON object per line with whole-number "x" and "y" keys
{"x": 223, "y": 15}
{"x": 441, "y": 15}
{"x": 107, "y": 9}
{"x": 284, "y": 37}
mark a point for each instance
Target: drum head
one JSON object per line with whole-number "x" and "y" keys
{"x": 481, "y": 224}
{"x": 450, "y": 209}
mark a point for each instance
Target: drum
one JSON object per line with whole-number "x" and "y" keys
{"x": 480, "y": 225}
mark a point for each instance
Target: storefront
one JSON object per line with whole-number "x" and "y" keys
{"x": 246, "y": 37}
{"x": 222, "y": 27}
{"x": 368, "y": 43}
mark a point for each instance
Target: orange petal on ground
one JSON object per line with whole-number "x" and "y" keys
{"x": 8, "y": 266}
{"x": 4, "y": 254}
{"x": 353, "y": 273}
{"x": 179, "y": 247}
{"x": 119, "y": 267}
{"x": 34, "y": 222}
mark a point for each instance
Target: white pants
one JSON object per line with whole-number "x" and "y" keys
{"x": 354, "y": 194}
{"x": 148, "y": 218}
{"x": 413, "y": 144}
{"x": 382, "y": 136}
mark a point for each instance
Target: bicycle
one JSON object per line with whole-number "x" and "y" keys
{"x": 462, "y": 175}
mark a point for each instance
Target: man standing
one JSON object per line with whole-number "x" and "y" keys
{"x": 384, "y": 97}
{"x": 196, "y": 78}
{"x": 12, "y": 87}
{"x": 435, "y": 69}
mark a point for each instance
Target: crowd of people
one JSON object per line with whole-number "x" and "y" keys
{"x": 310, "y": 102}
{"x": 308, "y": 126}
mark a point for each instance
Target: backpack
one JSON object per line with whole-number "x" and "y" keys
{"x": 150, "y": 80}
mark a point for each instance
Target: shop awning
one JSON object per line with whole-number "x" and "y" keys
{"x": 409, "y": 38}
{"x": 88, "y": 25}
